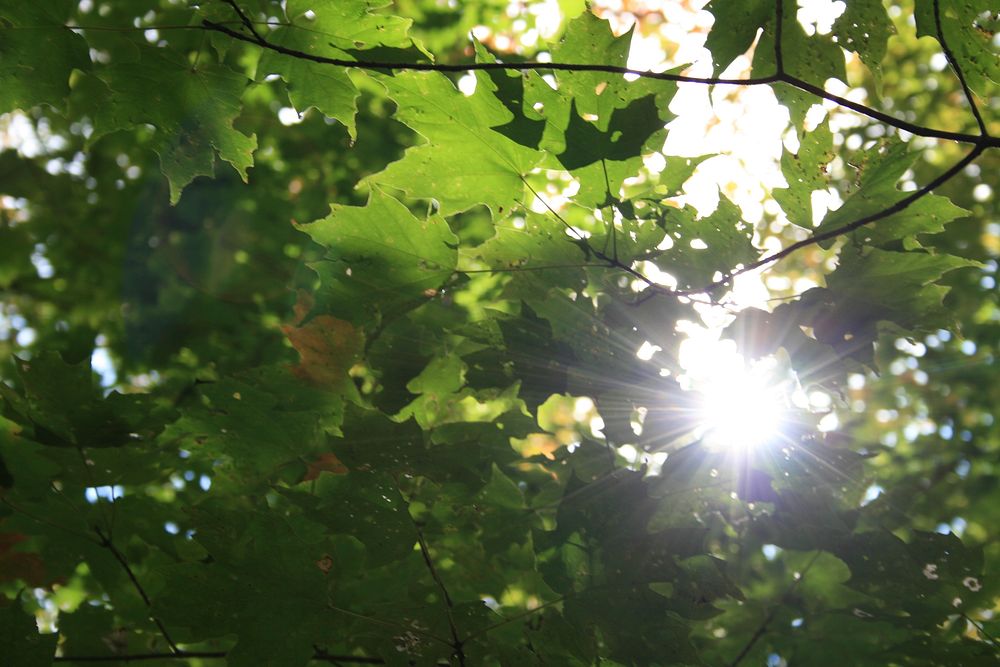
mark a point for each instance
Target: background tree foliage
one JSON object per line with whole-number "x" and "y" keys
{"x": 351, "y": 367}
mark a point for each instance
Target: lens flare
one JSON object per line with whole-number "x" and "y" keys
{"x": 742, "y": 405}
{"x": 741, "y": 409}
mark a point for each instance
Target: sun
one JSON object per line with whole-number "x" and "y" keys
{"x": 742, "y": 408}
{"x": 741, "y": 404}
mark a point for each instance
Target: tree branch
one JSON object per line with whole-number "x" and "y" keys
{"x": 612, "y": 262}
{"x": 244, "y": 19}
{"x": 319, "y": 656}
{"x": 849, "y": 227}
{"x": 912, "y": 128}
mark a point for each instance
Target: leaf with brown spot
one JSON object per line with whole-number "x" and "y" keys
{"x": 325, "y": 462}
{"x": 328, "y": 347}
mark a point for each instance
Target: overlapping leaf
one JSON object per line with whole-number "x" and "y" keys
{"x": 192, "y": 109}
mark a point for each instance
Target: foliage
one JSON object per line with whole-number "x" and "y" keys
{"x": 372, "y": 383}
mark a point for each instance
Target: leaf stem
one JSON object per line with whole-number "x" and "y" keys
{"x": 120, "y": 557}
{"x": 762, "y": 628}
{"x": 958, "y": 70}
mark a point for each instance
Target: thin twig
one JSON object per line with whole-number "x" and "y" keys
{"x": 982, "y": 629}
{"x": 762, "y": 628}
{"x": 516, "y": 617}
{"x": 958, "y": 70}
{"x": 457, "y": 644}
{"x": 47, "y": 522}
{"x": 874, "y": 114}
{"x": 612, "y": 261}
{"x": 319, "y": 656}
{"x": 120, "y": 557}
{"x": 141, "y": 657}
{"x": 849, "y": 227}
{"x": 389, "y": 624}
{"x": 244, "y": 19}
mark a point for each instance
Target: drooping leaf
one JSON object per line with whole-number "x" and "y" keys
{"x": 193, "y": 110}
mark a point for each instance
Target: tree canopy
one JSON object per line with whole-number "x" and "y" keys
{"x": 499, "y": 333}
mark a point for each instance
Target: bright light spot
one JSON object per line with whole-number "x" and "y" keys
{"x": 647, "y": 351}
{"x": 743, "y": 404}
{"x": 109, "y": 493}
{"x": 741, "y": 409}
{"x": 467, "y": 84}
{"x": 101, "y": 362}
{"x": 288, "y": 116}
{"x": 871, "y": 493}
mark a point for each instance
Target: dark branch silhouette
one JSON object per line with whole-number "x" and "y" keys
{"x": 781, "y": 77}
{"x": 120, "y": 557}
{"x": 456, "y": 642}
{"x": 319, "y": 656}
{"x": 851, "y": 226}
{"x": 980, "y": 142}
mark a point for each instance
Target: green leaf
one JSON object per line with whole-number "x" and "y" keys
{"x": 627, "y": 132}
{"x": 589, "y": 39}
{"x": 735, "y": 28}
{"x": 329, "y": 28}
{"x": 805, "y": 172}
{"x": 676, "y": 173}
{"x": 865, "y": 28}
{"x": 365, "y": 506}
{"x": 526, "y": 244}
{"x": 813, "y": 58}
{"x": 266, "y": 574}
{"x": 193, "y": 110}
{"x": 380, "y": 259}
{"x": 877, "y": 191}
{"x": 463, "y": 163}
{"x": 62, "y": 406}
{"x": 527, "y": 127}
{"x": 250, "y": 432}
{"x": 969, "y": 27}
{"x": 703, "y": 247}
{"x": 872, "y": 286}
{"x": 37, "y": 57}
{"x": 19, "y": 637}
{"x": 501, "y": 491}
